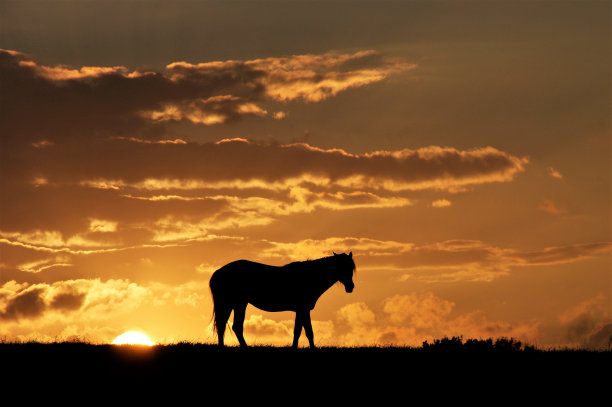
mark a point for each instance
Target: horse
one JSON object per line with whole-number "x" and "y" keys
{"x": 293, "y": 287}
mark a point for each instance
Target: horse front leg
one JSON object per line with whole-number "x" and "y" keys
{"x": 297, "y": 329}
{"x": 238, "y": 326}
{"x": 308, "y": 329}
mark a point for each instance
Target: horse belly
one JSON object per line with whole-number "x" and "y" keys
{"x": 273, "y": 302}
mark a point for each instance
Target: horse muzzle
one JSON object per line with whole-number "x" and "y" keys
{"x": 349, "y": 288}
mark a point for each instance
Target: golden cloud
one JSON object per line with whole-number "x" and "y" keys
{"x": 421, "y": 311}
{"x": 267, "y": 329}
{"x": 213, "y": 110}
{"x": 405, "y": 320}
{"x": 441, "y": 203}
{"x": 554, "y": 173}
{"x": 409, "y": 320}
{"x": 62, "y": 73}
{"x": 311, "y": 78}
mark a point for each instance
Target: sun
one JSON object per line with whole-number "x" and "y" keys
{"x": 133, "y": 338}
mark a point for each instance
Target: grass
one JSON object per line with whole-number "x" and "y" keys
{"x": 434, "y": 369}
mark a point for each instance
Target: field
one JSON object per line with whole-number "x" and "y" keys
{"x": 443, "y": 371}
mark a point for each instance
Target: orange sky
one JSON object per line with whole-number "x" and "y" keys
{"x": 461, "y": 151}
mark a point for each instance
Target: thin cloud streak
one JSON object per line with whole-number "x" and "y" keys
{"x": 266, "y": 165}
{"x": 453, "y": 260}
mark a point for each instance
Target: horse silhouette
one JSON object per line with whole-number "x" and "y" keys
{"x": 293, "y": 287}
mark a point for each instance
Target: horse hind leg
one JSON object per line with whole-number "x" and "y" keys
{"x": 238, "y": 325}
{"x": 221, "y": 317}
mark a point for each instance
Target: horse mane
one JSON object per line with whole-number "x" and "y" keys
{"x": 305, "y": 264}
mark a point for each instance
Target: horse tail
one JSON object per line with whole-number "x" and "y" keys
{"x": 220, "y": 313}
{"x": 212, "y": 286}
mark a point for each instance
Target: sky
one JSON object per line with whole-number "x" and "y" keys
{"x": 460, "y": 151}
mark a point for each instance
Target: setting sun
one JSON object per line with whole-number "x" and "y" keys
{"x": 133, "y": 338}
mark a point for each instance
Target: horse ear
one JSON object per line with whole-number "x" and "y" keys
{"x": 334, "y": 253}
{"x": 351, "y": 255}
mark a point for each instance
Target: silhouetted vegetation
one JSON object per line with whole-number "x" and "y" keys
{"x": 456, "y": 343}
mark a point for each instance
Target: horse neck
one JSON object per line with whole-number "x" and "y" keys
{"x": 326, "y": 274}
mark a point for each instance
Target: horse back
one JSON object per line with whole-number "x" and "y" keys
{"x": 267, "y": 287}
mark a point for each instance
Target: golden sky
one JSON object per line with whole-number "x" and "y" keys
{"x": 461, "y": 151}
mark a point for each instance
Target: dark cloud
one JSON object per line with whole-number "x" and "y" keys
{"x": 562, "y": 254}
{"x": 64, "y": 103}
{"x": 430, "y": 167}
{"x": 26, "y": 304}
{"x": 43, "y": 300}
{"x": 601, "y": 339}
{"x": 29, "y": 302}
{"x": 60, "y": 120}
{"x": 587, "y": 323}
{"x": 67, "y": 301}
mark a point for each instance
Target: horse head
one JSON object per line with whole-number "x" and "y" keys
{"x": 345, "y": 267}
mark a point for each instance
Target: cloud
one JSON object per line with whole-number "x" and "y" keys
{"x": 413, "y": 318}
{"x": 355, "y": 314}
{"x": 71, "y": 300}
{"x": 136, "y": 192}
{"x": 93, "y": 299}
{"x": 310, "y": 77}
{"x": 53, "y": 241}
{"x": 552, "y": 208}
{"x": 93, "y": 145}
{"x": 27, "y": 303}
{"x": 191, "y": 293}
{"x": 24, "y": 301}
{"x": 562, "y": 254}
{"x": 445, "y": 261}
{"x": 95, "y": 310}
{"x": 586, "y": 319}
{"x": 584, "y": 325}
{"x": 260, "y": 330}
{"x": 62, "y": 73}
{"x": 69, "y": 102}
{"x": 99, "y": 225}
{"x": 37, "y": 266}
{"x": 313, "y": 248}
{"x": 554, "y": 173}
{"x": 404, "y": 320}
{"x": 441, "y": 203}
{"x": 270, "y": 166}
{"x": 213, "y": 110}
{"x": 451, "y": 260}
{"x": 600, "y": 339}
{"x": 418, "y": 311}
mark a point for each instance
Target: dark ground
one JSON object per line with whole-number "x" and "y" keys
{"x": 203, "y": 374}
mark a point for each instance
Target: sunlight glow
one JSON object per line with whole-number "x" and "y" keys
{"x": 133, "y": 338}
